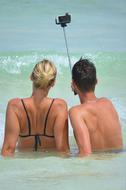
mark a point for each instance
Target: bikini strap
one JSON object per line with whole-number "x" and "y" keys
{"x": 29, "y": 124}
{"x": 37, "y": 142}
{"x": 47, "y": 117}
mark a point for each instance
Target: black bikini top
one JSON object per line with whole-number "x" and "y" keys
{"x": 37, "y": 136}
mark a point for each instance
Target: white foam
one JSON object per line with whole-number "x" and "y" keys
{"x": 15, "y": 64}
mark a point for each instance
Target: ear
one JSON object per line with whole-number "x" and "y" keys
{"x": 74, "y": 84}
{"x": 53, "y": 83}
{"x": 74, "y": 87}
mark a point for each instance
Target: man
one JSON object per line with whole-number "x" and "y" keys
{"x": 95, "y": 121}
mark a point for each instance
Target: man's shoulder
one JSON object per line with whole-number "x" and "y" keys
{"x": 78, "y": 109}
{"x": 85, "y": 108}
{"x": 105, "y": 101}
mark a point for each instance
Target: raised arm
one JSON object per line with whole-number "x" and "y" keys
{"x": 80, "y": 132}
{"x": 61, "y": 127}
{"x": 11, "y": 130}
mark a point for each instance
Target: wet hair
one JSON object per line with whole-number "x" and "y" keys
{"x": 43, "y": 74}
{"x": 84, "y": 75}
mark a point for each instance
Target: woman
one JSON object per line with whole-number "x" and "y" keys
{"x": 37, "y": 122}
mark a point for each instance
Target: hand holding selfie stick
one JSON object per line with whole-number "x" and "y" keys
{"x": 63, "y": 21}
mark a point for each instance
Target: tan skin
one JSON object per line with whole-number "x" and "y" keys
{"x": 37, "y": 107}
{"x": 95, "y": 124}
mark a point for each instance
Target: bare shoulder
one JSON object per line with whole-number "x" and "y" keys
{"x": 59, "y": 108}
{"x": 105, "y": 101}
{"x": 60, "y": 103}
{"x": 14, "y": 104}
{"x": 75, "y": 110}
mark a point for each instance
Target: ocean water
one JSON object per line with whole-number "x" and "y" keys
{"x": 28, "y": 34}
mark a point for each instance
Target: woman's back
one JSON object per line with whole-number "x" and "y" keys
{"x": 37, "y": 121}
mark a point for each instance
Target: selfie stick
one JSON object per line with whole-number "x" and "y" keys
{"x": 67, "y": 49}
{"x": 63, "y": 21}
{"x": 63, "y": 24}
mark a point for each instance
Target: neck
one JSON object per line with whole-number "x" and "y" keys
{"x": 39, "y": 94}
{"x": 87, "y": 97}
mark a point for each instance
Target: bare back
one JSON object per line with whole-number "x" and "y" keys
{"x": 41, "y": 123}
{"x": 42, "y": 126}
{"x": 102, "y": 123}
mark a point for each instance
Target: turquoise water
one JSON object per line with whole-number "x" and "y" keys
{"x": 104, "y": 171}
{"x": 28, "y": 34}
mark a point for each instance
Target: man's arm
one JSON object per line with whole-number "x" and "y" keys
{"x": 61, "y": 127}
{"x": 11, "y": 131}
{"x": 81, "y": 132}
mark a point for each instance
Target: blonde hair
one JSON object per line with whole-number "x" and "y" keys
{"x": 43, "y": 74}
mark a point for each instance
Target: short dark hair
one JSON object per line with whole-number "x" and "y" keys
{"x": 84, "y": 75}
